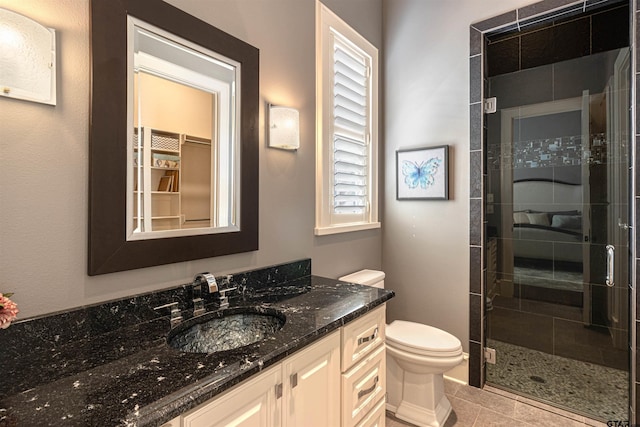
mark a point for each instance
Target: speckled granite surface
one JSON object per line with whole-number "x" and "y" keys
{"x": 110, "y": 364}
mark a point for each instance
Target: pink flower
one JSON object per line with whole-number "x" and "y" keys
{"x": 8, "y": 311}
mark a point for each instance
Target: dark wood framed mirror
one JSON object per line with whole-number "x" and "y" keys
{"x": 110, "y": 249}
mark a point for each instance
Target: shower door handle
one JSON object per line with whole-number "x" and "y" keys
{"x": 609, "y": 280}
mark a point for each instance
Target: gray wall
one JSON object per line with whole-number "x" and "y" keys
{"x": 426, "y": 243}
{"x": 43, "y": 152}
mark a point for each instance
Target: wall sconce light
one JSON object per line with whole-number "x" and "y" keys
{"x": 27, "y": 59}
{"x": 284, "y": 127}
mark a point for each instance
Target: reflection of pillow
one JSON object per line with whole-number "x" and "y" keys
{"x": 520, "y": 218}
{"x": 538, "y": 218}
{"x": 573, "y": 222}
{"x": 551, "y": 214}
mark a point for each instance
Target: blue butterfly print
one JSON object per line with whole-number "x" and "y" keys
{"x": 420, "y": 173}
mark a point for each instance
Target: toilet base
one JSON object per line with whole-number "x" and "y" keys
{"x": 423, "y": 400}
{"x": 422, "y": 417}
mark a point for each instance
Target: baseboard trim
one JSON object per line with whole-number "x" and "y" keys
{"x": 460, "y": 373}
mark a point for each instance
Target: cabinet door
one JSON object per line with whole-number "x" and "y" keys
{"x": 252, "y": 404}
{"x": 312, "y": 385}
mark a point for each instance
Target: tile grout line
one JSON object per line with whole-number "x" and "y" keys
{"x": 548, "y": 408}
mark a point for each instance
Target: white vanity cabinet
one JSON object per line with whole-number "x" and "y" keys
{"x": 376, "y": 417}
{"x": 303, "y": 390}
{"x": 312, "y": 385}
{"x": 337, "y": 381}
{"x": 252, "y": 404}
{"x": 364, "y": 370}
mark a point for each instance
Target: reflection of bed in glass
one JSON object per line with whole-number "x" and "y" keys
{"x": 527, "y": 239}
{"x": 547, "y": 235}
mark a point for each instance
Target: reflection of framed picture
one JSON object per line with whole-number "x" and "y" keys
{"x": 422, "y": 173}
{"x": 165, "y": 183}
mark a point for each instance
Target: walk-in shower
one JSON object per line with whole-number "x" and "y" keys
{"x": 557, "y": 190}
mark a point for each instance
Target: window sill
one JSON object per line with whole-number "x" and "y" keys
{"x": 335, "y": 229}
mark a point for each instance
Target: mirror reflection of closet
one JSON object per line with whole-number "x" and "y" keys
{"x": 183, "y": 138}
{"x": 196, "y": 183}
{"x": 186, "y": 202}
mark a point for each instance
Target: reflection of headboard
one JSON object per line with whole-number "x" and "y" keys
{"x": 546, "y": 196}
{"x": 551, "y": 226}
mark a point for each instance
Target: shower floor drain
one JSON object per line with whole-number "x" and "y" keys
{"x": 537, "y": 379}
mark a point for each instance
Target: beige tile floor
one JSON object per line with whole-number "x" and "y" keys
{"x": 473, "y": 407}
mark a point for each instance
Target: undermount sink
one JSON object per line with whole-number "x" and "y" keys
{"x": 226, "y": 330}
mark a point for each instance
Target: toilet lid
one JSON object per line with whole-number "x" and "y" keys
{"x": 422, "y": 338}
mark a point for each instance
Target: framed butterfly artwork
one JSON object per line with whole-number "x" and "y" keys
{"x": 423, "y": 173}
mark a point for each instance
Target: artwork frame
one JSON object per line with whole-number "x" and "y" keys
{"x": 422, "y": 173}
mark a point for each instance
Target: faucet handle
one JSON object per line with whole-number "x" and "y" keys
{"x": 176, "y": 315}
{"x": 198, "y": 302}
{"x": 224, "y": 299}
{"x": 209, "y": 279}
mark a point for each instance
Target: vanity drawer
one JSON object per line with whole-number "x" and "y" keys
{"x": 377, "y": 416}
{"x": 361, "y": 336}
{"x": 363, "y": 386}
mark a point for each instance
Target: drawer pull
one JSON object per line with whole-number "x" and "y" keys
{"x": 366, "y": 391}
{"x": 371, "y": 337}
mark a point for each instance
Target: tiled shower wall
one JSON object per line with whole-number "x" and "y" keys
{"x": 478, "y": 170}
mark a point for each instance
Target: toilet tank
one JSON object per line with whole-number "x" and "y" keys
{"x": 373, "y": 278}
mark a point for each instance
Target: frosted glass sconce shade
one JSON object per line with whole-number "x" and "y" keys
{"x": 284, "y": 128}
{"x": 27, "y": 59}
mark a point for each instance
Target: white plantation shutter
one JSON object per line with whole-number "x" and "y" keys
{"x": 346, "y": 167}
{"x": 351, "y": 130}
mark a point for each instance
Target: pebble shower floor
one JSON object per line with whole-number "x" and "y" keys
{"x": 591, "y": 390}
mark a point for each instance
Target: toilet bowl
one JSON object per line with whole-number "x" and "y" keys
{"x": 424, "y": 354}
{"x": 418, "y": 356}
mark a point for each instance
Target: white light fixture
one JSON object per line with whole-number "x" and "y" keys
{"x": 284, "y": 127}
{"x": 27, "y": 59}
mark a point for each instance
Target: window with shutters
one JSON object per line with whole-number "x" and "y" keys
{"x": 347, "y": 127}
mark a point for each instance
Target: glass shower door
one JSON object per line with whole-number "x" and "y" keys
{"x": 557, "y": 212}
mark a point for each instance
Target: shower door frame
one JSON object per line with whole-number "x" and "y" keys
{"x": 545, "y": 10}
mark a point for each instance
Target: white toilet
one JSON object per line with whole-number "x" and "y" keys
{"x": 418, "y": 355}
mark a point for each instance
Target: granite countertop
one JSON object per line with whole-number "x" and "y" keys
{"x": 129, "y": 376}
